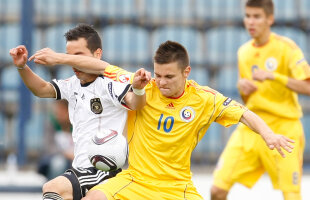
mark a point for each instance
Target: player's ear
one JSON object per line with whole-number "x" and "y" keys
{"x": 270, "y": 19}
{"x": 98, "y": 53}
{"x": 186, "y": 72}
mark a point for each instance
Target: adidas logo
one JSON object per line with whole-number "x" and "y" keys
{"x": 170, "y": 105}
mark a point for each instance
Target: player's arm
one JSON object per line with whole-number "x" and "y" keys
{"x": 272, "y": 140}
{"x": 245, "y": 86}
{"x": 36, "y": 84}
{"x": 136, "y": 99}
{"x": 299, "y": 86}
{"x": 86, "y": 64}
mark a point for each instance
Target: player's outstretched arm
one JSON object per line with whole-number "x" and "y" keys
{"x": 86, "y": 64}
{"x": 137, "y": 98}
{"x": 272, "y": 140}
{"x": 36, "y": 85}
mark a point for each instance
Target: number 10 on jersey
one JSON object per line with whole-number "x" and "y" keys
{"x": 166, "y": 123}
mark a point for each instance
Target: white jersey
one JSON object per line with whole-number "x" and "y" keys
{"x": 92, "y": 107}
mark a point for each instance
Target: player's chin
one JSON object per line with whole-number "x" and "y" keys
{"x": 165, "y": 92}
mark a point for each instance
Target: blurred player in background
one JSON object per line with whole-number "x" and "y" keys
{"x": 272, "y": 70}
{"x": 95, "y": 103}
{"x": 59, "y": 144}
{"x": 166, "y": 131}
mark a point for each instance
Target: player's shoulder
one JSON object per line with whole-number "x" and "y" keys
{"x": 284, "y": 41}
{"x": 245, "y": 46}
{"x": 151, "y": 84}
{"x": 194, "y": 88}
{"x": 69, "y": 81}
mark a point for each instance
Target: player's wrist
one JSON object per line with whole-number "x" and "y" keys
{"x": 138, "y": 92}
{"x": 280, "y": 78}
{"x": 21, "y": 68}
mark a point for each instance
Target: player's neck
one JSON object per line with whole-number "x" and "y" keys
{"x": 88, "y": 81}
{"x": 262, "y": 40}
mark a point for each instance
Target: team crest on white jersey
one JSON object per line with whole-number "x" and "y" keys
{"x": 271, "y": 64}
{"x": 95, "y": 105}
{"x": 124, "y": 78}
{"x": 187, "y": 114}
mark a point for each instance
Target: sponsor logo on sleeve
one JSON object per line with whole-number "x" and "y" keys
{"x": 110, "y": 89}
{"x": 227, "y": 101}
{"x": 124, "y": 78}
{"x": 300, "y": 61}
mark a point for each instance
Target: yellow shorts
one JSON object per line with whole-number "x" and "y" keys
{"x": 126, "y": 186}
{"x": 246, "y": 157}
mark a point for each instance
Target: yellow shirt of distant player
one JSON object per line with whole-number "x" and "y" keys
{"x": 279, "y": 55}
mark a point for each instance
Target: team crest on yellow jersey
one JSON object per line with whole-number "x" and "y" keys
{"x": 187, "y": 114}
{"x": 271, "y": 64}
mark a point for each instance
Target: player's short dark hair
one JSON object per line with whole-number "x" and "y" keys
{"x": 169, "y": 52}
{"x": 88, "y": 33}
{"x": 266, "y": 5}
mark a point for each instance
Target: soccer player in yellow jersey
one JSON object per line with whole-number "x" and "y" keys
{"x": 272, "y": 70}
{"x": 168, "y": 128}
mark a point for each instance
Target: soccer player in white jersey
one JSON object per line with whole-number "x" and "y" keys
{"x": 95, "y": 103}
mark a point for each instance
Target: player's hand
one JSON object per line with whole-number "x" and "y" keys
{"x": 141, "y": 78}
{"x": 246, "y": 86}
{"x": 261, "y": 75}
{"x": 279, "y": 142}
{"x": 19, "y": 55}
{"x": 45, "y": 56}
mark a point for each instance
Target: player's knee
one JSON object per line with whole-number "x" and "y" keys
{"x": 53, "y": 186}
{"x": 218, "y": 193}
{"x": 49, "y": 187}
{"x": 292, "y": 195}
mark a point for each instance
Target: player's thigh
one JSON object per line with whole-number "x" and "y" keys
{"x": 239, "y": 162}
{"x": 178, "y": 191}
{"x": 286, "y": 172}
{"x": 60, "y": 185}
{"x": 95, "y": 195}
{"x": 124, "y": 186}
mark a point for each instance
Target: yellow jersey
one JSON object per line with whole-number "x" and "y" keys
{"x": 279, "y": 55}
{"x": 166, "y": 130}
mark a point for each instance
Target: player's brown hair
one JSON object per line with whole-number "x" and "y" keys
{"x": 171, "y": 51}
{"x": 266, "y": 5}
{"x": 88, "y": 33}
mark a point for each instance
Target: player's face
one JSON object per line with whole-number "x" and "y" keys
{"x": 79, "y": 47}
{"x": 170, "y": 79}
{"x": 257, "y": 22}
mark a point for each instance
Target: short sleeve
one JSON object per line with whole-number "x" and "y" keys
{"x": 299, "y": 66}
{"x": 118, "y": 74}
{"x": 228, "y": 111}
{"x": 62, "y": 88}
{"x": 117, "y": 91}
